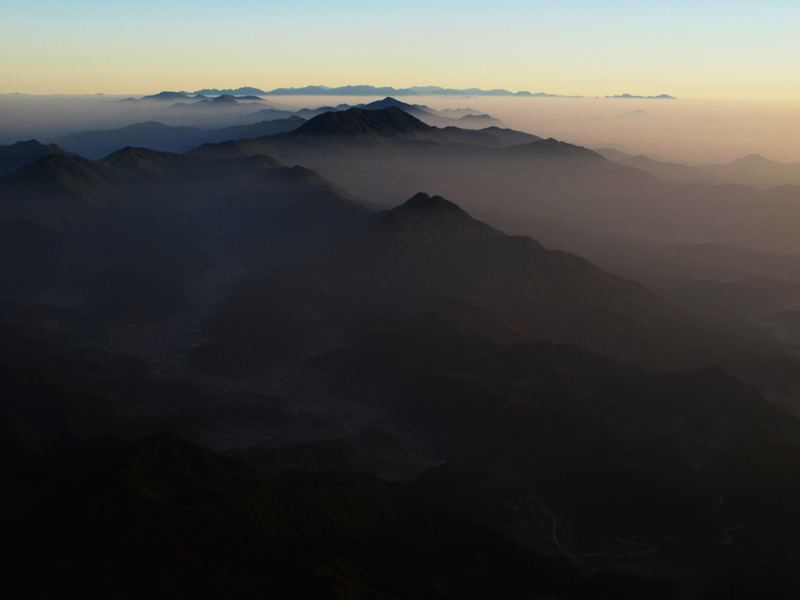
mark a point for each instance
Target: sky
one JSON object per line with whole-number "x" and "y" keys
{"x": 730, "y": 49}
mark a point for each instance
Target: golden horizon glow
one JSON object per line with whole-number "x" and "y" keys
{"x": 702, "y": 49}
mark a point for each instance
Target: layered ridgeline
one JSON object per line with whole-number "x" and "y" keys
{"x": 183, "y": 126}
{"x": 157, "y": 136}
{"x": 223, "y": 269}
{"x": 428, "y": 256}
{"x": 753, "y": 170}
{"x": 525, "y": 185}
{"x": 620, "y": 453}
{"x": 131, "y": 233}
{"x": 141, "y": 233}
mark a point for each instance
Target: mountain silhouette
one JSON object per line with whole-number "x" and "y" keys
{"x": 128, "y": 230}
{"x": 224, "y": 99}
{"x": 412, "y": 109}
{"x": 15, "y": 156}
{"x": 425, "y": 114}
{"x": 168, "y": 96}
{"x": 423, "y": 219}
{"x": 167, "y": 138}
{"x": 56, "y": 183}
{"x": 430, "y": 255}
{"x": 369, "y": 90}
{"x": 359, "y": 122}
{"x": 756, "y": 170}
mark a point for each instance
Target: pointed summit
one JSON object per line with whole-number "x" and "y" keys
{"x": 424, "y": 219}
{"x": 356, "y": 121}
{"x": 416, "y": 110}
{"x": 422, "y": 201}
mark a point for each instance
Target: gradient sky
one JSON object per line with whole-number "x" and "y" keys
{"x": 690, "y": 49}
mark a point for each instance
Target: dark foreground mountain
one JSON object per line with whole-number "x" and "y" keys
{"x": 430, "y": 255}
{"x": 167, "y": 519}
{"x": 620, "y": 453}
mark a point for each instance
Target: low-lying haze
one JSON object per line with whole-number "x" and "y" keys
{"x": 683, "y": 130}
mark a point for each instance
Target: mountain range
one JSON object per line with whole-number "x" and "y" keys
{"x": 369, "y": 90}
{"x": 157, "y": 136}
{"x": 413, "y": 396}
{"x": 537, "y": 181}
{"x": 753, "y": 170}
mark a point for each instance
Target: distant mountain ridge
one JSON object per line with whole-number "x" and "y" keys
{"x": 368, "y": 90}
{"x": 416, "y": 90}
{"x": 752, "y": 170}
{"x": 464, "y": 118}
{"x": 659, "y": 97}
{"x": 166, "y": 138}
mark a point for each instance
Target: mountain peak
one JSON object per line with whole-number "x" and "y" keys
{"x": 424, "y": 219}
{"x": 356, "y": 121}
{"x": 389, "y": 102}
{"x": 168, "y": 96}
{"x": 224, "y": 99}
{"x": 754, "y": 159}
{"x": 422, "y": 201}
{"x": 23, "y": 146}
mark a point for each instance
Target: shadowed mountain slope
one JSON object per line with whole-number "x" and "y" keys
{"x": 132, "y": 232}
{"x": 614, "y": 450}
{"x": 357, "y": 121}
{"x": 430, "y": 255}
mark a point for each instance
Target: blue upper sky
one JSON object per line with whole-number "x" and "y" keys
{"x": 703, "y": 48}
